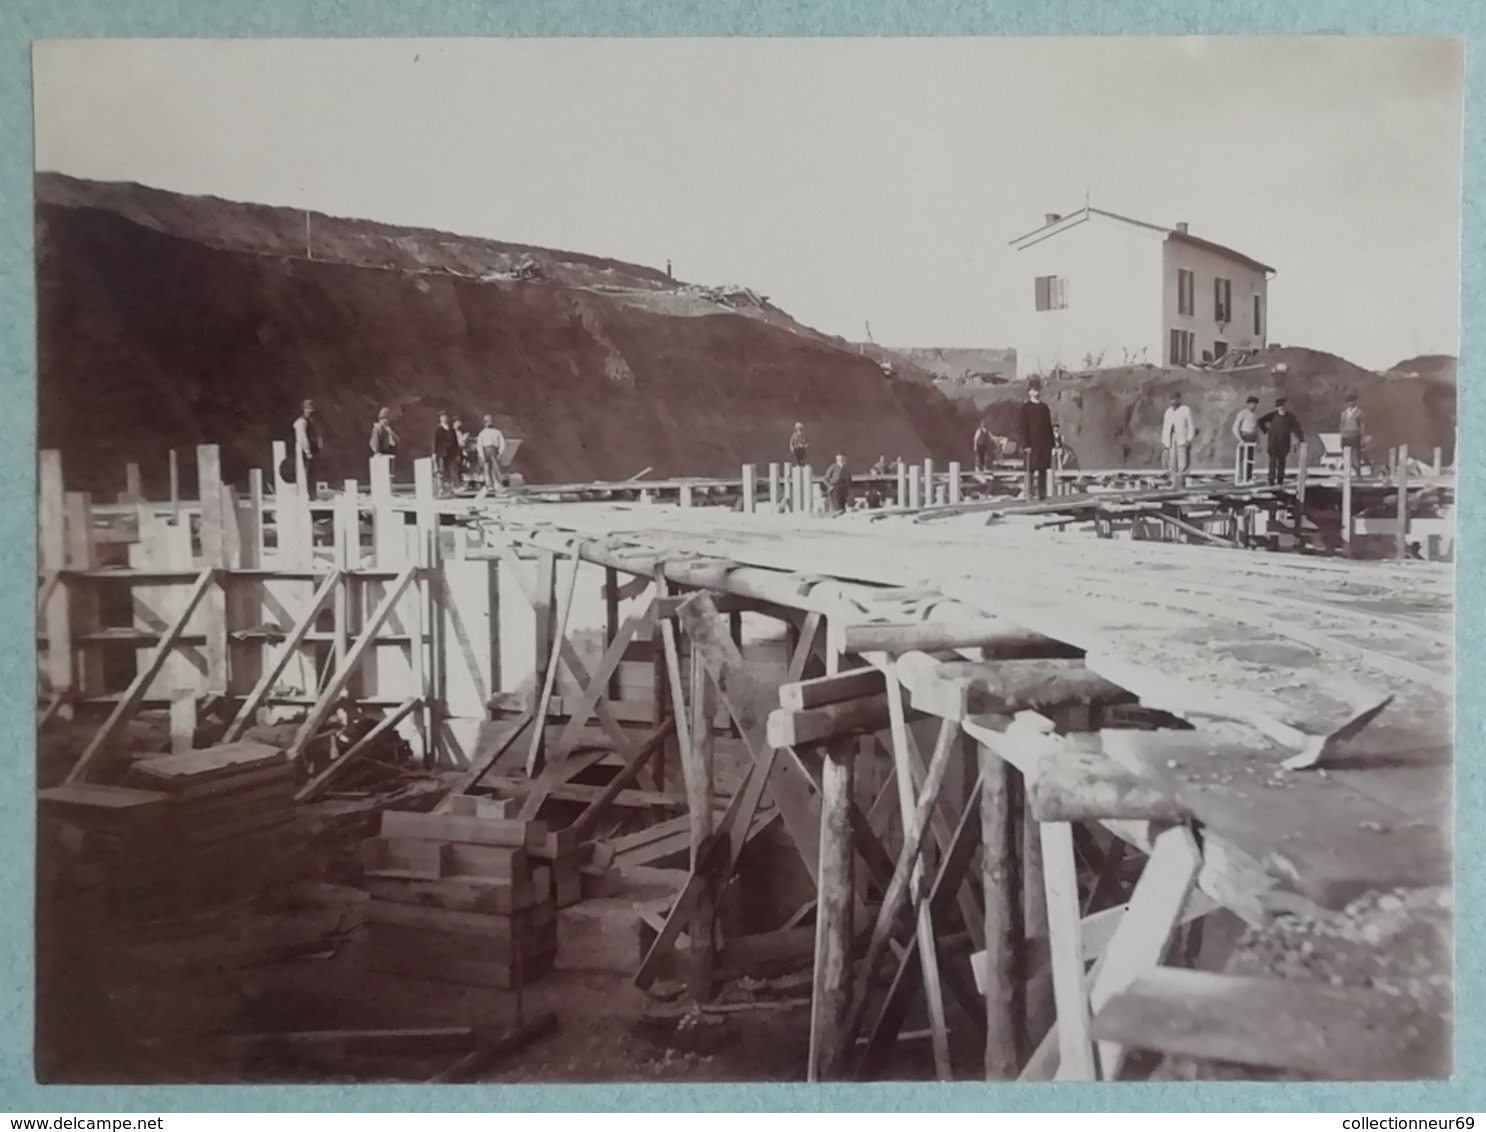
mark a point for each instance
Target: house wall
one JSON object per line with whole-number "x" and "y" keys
{"x": 1114, "y": 289}
{"x": 1208, "y": 266}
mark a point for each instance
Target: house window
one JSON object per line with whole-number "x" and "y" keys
{"x": 1223, "y": 300}
{"x": 1183, "y": 342}
{"x": 1258, "y": 315}
{"x": 1052, "y": 293}
{"x": 1186, "y": 292}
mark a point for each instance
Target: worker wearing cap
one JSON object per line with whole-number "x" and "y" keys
{"x": 799, "y": 449}
{"x": 1282, "y": 429}
{"x": 837, "y": 481}
{"x": 383, "y": 439}
{"x": 1351, "y": 433}
{"x": 1178, "y": 430}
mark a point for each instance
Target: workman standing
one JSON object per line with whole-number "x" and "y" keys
{"x": 446, "y": 454}
{"x": 985, "y": 448}
{"x": 837, "y": 482}
{"x": 383, "y": 438}
{"x": 1038, "y": 442}
{"x": 799, "y": 448}
{"x": 1177, "y": 433}
{"x": 1282, "y": 428}
{"x": 307, "y": 446}
{"x": 491, "y": 443}
{"x": 1246, "y": 432}
{"x": 1351, "y": 434}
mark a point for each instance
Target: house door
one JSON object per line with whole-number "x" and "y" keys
{"x": 1219, "y": 349}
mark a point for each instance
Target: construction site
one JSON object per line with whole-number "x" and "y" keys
{"x": 654, "y": 764}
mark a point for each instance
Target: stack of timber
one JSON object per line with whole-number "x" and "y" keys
{"x": 454, "y": 898}
{"x": 184, "y": 833}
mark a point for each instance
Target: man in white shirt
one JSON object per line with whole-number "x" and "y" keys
{"x": 1246, "y": 432}
{"x": 307, "y": 446}
{"x": 1177, "y": 433}
{"x": 491, "y": 442}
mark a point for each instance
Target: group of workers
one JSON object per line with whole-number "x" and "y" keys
{"x": 1280, "y": 428}
{"x": 457, "y": 452}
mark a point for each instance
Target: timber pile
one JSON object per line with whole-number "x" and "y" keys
{"x": 184, "y": 832}
{"x": 454, "y": 898}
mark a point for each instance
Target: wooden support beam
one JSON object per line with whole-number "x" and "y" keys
{"x": 597, "y": 688}
{"x": 803, "y": 695}
{"x": 830, "y": 721}
{"x": 1076, "y": 781}
{"x": 175, "y": 486}
{"x": 906, "y": 883}
{"x": 480, "y": 765}
{"x": 1403, "y": 501}
{"x": 584, "y": 825}
{"x": 133, "y": 491}
{"x": 1334, "y": 1033}
{"x": 333, "y": 688}
{"x": 1145, "y": 930}
{"x": 697, "y": 770}
{"x": 52, "y": 559}
{"x": 996, "y": 636}
{"x": 243, "y": 719}
{"x": 750, "y": 489}
{"x": 959, "y": 689}
{"x": 1075, "y": 1049}
{"x": 831, "y": 1015}
{"x": 317, "y": 785}
{"x": 1001, "y": 880}
{"x": 549, "y": 681}
{"x": 126, "y": 707}
{"x": 907, "y": 810}
{"x": 747, "y": 701}
{"x": 804, "y": 647}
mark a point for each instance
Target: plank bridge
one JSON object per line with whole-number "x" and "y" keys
{"x": 1019, "y": 765}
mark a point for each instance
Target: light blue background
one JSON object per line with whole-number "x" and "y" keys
{"x": 22, "y": 21}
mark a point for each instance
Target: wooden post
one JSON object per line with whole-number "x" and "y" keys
{"x": 685, "y": 495}
{"x": 1302, "y": 464}
{"x": 82, "y": 598}
{"x": 182, "y": 722}
{"x": 954, "y": 482}
{"x": 750, "y": 489}
{"x": 1065, "y": 939}
{"x": 1346, "y": 516}
{"x": 1403, "y": 501}
{"x": 213, "y": 554}
{"x": 774, "y": 488}
{"x": 901, "y": 499}
{"x": 830, "y": 1040}
{"x": 175, "y": 487}
{"x": 543, "y": 600}
{"x": 1439, "y": 461}
{"x": 252, "y": 522}
{"x": 134, "y": 492}
{"x": 913, "y": 487}
{"x": 420, "y": 616}
{"x": 1038, "y": 1000}
{"x": 347, "y": 540}
{"x": 539, "y": 727}
{"x": 1003, "y": 917}
{"x": 387, "y": 524}
{"x": 928, "y": 481}
{"x": 698, "y": 766}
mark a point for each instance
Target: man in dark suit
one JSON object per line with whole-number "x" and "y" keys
{"x": 1281, "y": 427}
{"x": 838, "y": 483}
{"x": 1037, "y": 442}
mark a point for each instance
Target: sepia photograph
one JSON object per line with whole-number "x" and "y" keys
{"x": 745, "y": 560}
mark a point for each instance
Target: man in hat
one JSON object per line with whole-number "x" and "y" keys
{"x": 1038, "y": 442}
{"x": 1246, "y": 432}
{"x": 491, "y": 443}
{"x": 1351, "y": 434}
{"x": 837, "y": 481}
{"x": 446, "y": 454}
{"x": 799, "y": 449}
{"x": 383, "y": 439}
{"x": 1177, "y": 433}
{"x": 307, "y": 445}
{"x": 1282, "y": 429}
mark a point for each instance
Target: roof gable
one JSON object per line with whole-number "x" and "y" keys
{"x": 1085, "y": 214}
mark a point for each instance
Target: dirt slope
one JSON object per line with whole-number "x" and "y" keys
{"x": 1112, "y": 418}
{"x": 170, "y": 321}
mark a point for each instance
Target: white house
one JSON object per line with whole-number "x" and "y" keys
{"x": 1094, "y": 289}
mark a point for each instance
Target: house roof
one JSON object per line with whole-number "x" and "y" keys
{"x": 1072, "y": 219}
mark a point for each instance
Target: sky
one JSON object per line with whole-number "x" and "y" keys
{"x": 858, "y": 183}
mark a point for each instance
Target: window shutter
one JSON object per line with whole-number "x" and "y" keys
{"x": 1062, "y": 285}
{"x": 1042, "y": 300}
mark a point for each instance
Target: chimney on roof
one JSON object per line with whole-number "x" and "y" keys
{"x": 1181, "y": 226}
{"x": 1051, "y": 218}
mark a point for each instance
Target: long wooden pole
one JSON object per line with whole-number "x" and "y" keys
{"x": 830, "y": 1014}
{"x": 534, "y": 754}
